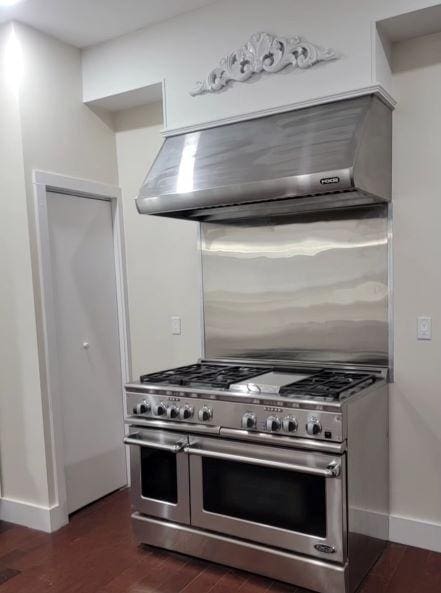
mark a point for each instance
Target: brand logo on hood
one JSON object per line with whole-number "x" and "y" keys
{"x": 327, "y": 180}
{"x": 325, "y": 549}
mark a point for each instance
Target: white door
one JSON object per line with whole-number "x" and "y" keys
{"x": 88, "y": 348}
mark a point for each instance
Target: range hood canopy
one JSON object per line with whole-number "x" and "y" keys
{"x": 327, "y": 156}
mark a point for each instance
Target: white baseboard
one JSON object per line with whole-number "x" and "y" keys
{"x": 402, "y": 530}
{"x": 413, "y": 532}
{"x": 38, "y": 517}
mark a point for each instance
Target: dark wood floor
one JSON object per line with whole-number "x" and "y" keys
{"x": 96, "y": 553}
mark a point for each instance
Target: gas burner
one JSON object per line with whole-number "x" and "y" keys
{"x": 318, "y": 385}
{"x": 327, "y": 385}
{"x": 208, "y": 376}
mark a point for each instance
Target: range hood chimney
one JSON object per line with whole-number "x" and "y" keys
{"x": 322, "y": 157}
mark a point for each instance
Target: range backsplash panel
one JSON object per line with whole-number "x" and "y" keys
{"x": 313, "y": 288}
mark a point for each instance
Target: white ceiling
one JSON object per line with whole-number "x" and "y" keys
{"x": 87, "y": 22}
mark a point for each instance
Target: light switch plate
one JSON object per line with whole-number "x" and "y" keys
{"x": 176, "y": 325}
{"x": 424, "y": 328}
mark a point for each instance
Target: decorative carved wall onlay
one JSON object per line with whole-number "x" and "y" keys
{"x": 263, "y": 52}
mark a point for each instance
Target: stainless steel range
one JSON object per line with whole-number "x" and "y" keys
{"x": 270, "y": 454}
{"x": 279, "y": 469}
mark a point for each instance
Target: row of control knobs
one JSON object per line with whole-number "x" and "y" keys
{"x": 287, "y": 424}
{"x": 173, "y": 412}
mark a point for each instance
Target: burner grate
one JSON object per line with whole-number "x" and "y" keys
{"x": 329, "y": 384}
{"x": 204, "y": 375}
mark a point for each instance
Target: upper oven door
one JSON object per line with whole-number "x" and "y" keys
{"x": 281, "y": 497}
{"x": 159, "y": 474}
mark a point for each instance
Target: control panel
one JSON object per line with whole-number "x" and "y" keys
{"x": 287, "y": 421}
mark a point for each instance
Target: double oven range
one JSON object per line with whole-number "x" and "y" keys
{"x": 271, "y": 453}
{"x": 277, "y": 469}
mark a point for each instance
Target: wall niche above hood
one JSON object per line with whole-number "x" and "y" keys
{"x": 328, "y": 156}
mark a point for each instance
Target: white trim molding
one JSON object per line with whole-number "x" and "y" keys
{"x": 263, "y": 52}
{"x": 414, "y": 532}
{"x": 50, "y": 519}
{"x": 375, "y": 89}
{"x": 75, "y": 185}
{"x": 34, "y": 516}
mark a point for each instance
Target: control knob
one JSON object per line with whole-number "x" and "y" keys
{"x": 159, "y": 409}
{"x": 172, "y": 412}
{"x": 205, "y": 414}
{"x": 313, "y": 427}
{"x": 273, "y": 423}
{"x": 249, "y": 420}
{"x": 289, "y": 424}
{"x": 141, "y": 408}
{"x": 186, "y": 412}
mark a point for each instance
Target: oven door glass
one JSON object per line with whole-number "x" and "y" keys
{"x": 159, "y": 474}
{"x": 276, "y": 496}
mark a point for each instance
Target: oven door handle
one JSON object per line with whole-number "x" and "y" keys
{"x": 139, "y": 442}
{"x": 332, "y": 470}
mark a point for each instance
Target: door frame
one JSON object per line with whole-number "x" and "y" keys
{"x": 43, "y": 183}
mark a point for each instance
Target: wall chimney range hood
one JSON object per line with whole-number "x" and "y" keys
{"x": 333, "y": 155}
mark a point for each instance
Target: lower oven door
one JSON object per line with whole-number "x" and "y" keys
{"x": 284, "y": 498}
{"x": 159, "y": 474}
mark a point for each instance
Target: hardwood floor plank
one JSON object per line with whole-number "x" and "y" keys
{"x": 19, "y": 538}
{"x": 97, "y": 553}
{"x": 5, "y": 526}
{"x": 256, "y": 584}
{"x": 12, "y": 558}
{"x": 409, "y": 574}
{"x": 373, "y": 584}
{"x": 145, "y": 562}
{"x": 388, "y": 563}
{"x": 7, "y": 573}
{"x": 170, "y": 581}
{"x": 230, "y": 582}
{"x": 205, "y": 580}
{"x": 431, "y": 577}
{"x": 279, "y": 587}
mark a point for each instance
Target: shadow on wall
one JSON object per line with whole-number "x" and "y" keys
{"x": 134, "y": 118}
{"x": 107, "y": 117}
{"x": 423, "y": 52}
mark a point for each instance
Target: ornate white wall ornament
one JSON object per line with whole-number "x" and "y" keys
{"x": 263, "y": 52}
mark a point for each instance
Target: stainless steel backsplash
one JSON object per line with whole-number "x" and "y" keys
{"x": 313, "y": 288}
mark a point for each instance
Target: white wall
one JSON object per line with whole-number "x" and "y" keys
{"x": 415, "y": 396}
{"x": 184, "y": 49}
{"x": 49, "y": 129}
{"x": 163, "y": 262}
{"x": 59, "y": 132}
{"x": 22, "y": 450}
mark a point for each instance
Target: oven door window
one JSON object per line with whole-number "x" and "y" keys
{"x": 159, "y": 475}
{"x": 275, "y": 497}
